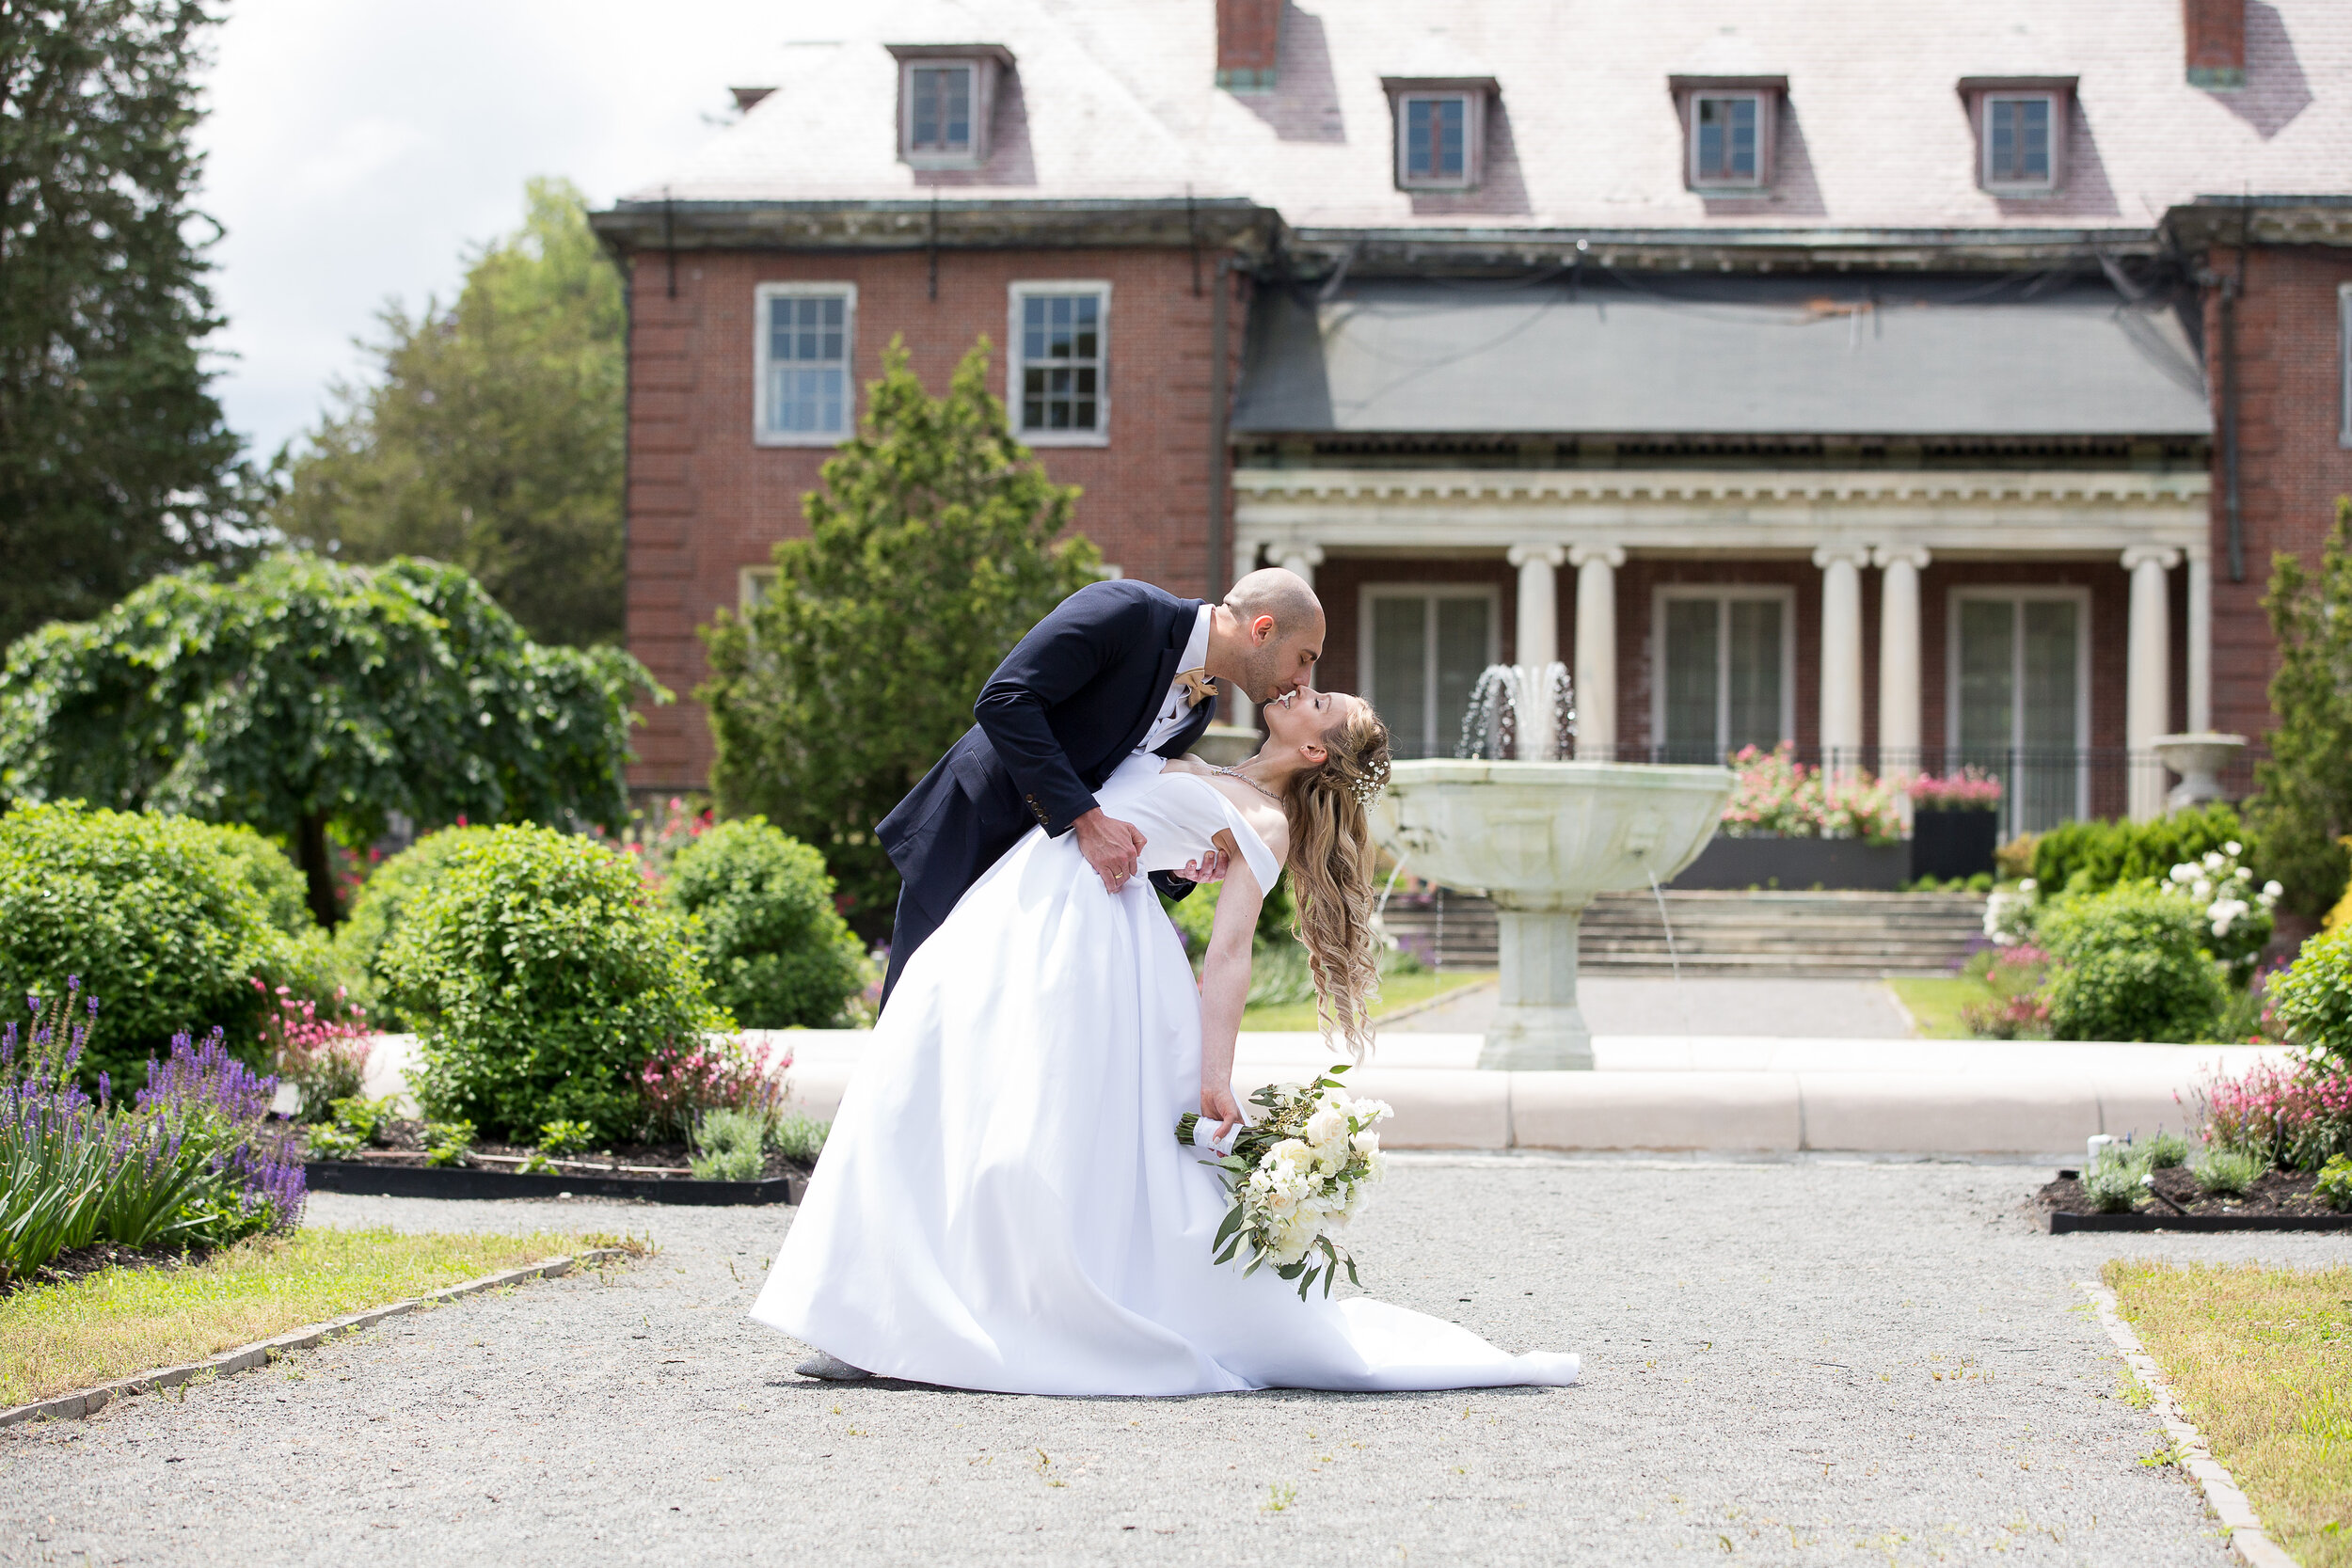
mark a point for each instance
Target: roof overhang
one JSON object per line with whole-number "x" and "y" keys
{"x": 2230, "y": 220}
{"x": 1234, "y": 224}
{"x": 1422, "y": 250}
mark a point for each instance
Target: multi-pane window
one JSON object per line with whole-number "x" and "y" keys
{"x": 1726, "y": 682}
{"x": 1436, "y": 128}
{"x": 2020, "y": 699}
{"x": 806, "y": 392}
{"x": 939, "y": 109}
{"x": 1060, "y": 360}
{"x": 1423, "y": 650}
{"x": 1725, "y": 140}
{"x": 2018, "y": 136}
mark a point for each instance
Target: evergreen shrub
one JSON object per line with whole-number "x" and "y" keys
{"x": 2130, "y": 969}
{"x": 2107, "y": 854}
{"x": 540, "y": 974}
{"x": 776, "y": 952}
{"x": 2312, "y": 1001}
{"x": 388, "y": 892}
{"x": 160, "y": 918}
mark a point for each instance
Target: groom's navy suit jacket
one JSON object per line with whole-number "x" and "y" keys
{"x": 1070, "y": 704}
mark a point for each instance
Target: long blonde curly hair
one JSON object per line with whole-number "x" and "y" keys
{"x": 1331, "y": 864}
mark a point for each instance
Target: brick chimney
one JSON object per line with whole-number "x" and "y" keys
{"x": 2215, "y": 33}
{"x": 1248, "y": 34}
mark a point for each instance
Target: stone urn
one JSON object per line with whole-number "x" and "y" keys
{"x": 1541, "y": 839}
{"x": 2199, "y": 759}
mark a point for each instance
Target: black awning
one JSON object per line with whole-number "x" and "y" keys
{"x": 2013, "y": 355}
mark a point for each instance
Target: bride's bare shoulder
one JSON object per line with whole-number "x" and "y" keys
{"x": 1187, "y": 764}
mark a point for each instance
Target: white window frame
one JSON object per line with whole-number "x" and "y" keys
{"x": 1783, "y": 593}
{"x": 2019, "y": 594}
{"x": 2057, "y": 105}
{"x": 1473, "y": 138}
{"x": 1443, "y": 744}
{"x": 752, "y": 585}
{"x": 762, "y": 435}
{"x": 2344, "y": 363}
{"x": 1763, "y": 175}
{"x": 1016, "y": 364}
{"x": 975, "y": 152}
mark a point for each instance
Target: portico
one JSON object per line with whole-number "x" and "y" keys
{"x": 2014, "y": 568}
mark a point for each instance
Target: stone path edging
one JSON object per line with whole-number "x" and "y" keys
{"x": 2228, "y": 1501}
{"x": 90, "y": 1402}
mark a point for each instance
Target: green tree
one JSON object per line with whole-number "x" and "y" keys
{"x": 310, "y": 695}
{"x": 935, "y": 544}
{"x": 115, "y": 462}
{"x": 2303, "y": 807}
{"x": 493, "y": 435}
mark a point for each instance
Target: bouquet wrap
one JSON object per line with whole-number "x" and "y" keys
{"x": 1297, "y": 1176}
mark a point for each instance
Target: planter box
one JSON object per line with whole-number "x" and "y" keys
{"x": 1948, "y": 844}
{"x": 1797, "y": 865}
{"x": 375, "y": 1180}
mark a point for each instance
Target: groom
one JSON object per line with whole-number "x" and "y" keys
{"x": 1117, "y": 668}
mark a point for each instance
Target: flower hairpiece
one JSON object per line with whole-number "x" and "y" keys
{"x": 1367, "y": 789}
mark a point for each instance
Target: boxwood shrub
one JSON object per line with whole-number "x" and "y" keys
{"x": 540, "y": 974}
{"x": 2105, "y": 854}
{"x": 2130, "y": 969}
{"x": 2313, "y": 1000}
{"x": 776, "y": 951}
{"x": 383, "y": 898}
{"x": 165, "y": 920}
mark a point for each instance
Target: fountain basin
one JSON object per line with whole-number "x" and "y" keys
{"x": 1541, "y": 839}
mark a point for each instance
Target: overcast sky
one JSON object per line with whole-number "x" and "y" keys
{"x": 357, "y": 147}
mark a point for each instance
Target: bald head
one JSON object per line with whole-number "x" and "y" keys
{"x": 1267, "y": 635}
{"x": 1283, "y": 594}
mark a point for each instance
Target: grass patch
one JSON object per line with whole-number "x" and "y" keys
{"x": 1397, "y": 991}
{"x": 122, "y": 1321}
{"x": 1935, "y": 1004}
{"x": 2261, "y": 1359}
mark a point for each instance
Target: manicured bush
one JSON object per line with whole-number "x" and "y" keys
{"x": 2312, "y": 1001}
{"x": 2130, "y": 969}
{"x": 541, "y": 975}
{"x": 776, "y": 953}
{"x": 265, "y": 869}
{"x": 376, "y": 915}
{"x": 158, "y": 916}
{"x": 2104, "y": 854}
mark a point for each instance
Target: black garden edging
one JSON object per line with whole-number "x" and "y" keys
{"x": 2062, "y": 1221}
{"x": 375, "y": 1180}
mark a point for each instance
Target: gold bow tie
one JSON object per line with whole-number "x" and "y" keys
{"x": 1197, "y": 686}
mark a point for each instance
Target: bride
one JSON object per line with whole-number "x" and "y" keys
{"x": 1003, "y": 1204}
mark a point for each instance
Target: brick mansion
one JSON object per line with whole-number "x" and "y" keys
{"x": 1916, "y": 386}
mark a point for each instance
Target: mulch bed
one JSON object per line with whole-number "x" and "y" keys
{"x": 82, "y": 1262}
{"x": 652, "y": 1173}
{"x": 2281, "y": 1200}
{"x": 405, "y": 1146}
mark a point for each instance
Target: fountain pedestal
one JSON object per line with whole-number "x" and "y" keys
{"x": 1537, "y": 1025}
{"x": 1541, "y": 839}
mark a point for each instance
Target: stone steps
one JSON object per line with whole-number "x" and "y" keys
{"x": 1829, "y": 935}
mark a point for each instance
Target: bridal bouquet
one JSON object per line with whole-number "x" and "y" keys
{"x": 1295, "y": 1176}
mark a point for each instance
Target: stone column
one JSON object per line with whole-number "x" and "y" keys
{"x": 1841, "y": 655}
{"x": 1539, "y": 640}
{"x": 2147, "y": 694}
{"x": 2200, "y": 640}
{"x": 1300, "y": 561}
{"x": 1899, "y": 728}
{"x": 1595, "y": 650}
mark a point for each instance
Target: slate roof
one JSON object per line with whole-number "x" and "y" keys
{"x": 1114, "y": 99}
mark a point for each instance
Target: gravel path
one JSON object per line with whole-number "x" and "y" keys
{"x": 1809, "y": 1361}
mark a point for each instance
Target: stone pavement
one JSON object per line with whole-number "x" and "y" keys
{"x": 1795, "y": 1361}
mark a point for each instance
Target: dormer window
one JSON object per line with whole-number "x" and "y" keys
{"x": 946, "y": 94}
{"x": 1727, "y": 125}
{"x": 2021, "y": 133}
{"x": 1440, "y": 131}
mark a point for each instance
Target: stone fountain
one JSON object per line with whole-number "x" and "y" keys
{"x": 1542, "y": 837}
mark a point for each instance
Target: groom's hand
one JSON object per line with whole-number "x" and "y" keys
{"x": 1110, "y": 846}
{"x": 1208, "y": 868}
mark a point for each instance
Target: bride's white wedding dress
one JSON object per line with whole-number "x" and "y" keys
{"x": 1003, "y": 1204}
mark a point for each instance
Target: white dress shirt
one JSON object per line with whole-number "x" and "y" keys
{"x": 1175, "y": 713}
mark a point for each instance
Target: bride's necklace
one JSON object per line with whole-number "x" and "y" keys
{"x": 1236, "y": 773}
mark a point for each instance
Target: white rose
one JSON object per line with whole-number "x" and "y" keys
{"x": 2184, "y": 873}
{"x": 1327, "y": 1126}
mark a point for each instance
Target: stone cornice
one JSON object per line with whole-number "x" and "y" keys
{"x": 952, "y": 223}
{"x": 2224, "y": 220}
{"x": 1371, "y": 251}
{"x": 1504, "y": 488}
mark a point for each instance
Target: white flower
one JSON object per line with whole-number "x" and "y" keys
{"x": 2212, "y": 860}
{"x": 2234, "y": 848}
{"x": 2203, "y": 891}
{"x": 1327, "y": 1126}
{"x": 2184, "y": 873}
{"x": 2027, "y": 886}
{"x": 2272, "y": 889}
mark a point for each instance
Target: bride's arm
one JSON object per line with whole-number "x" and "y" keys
{"x": 1225, "y": 986}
